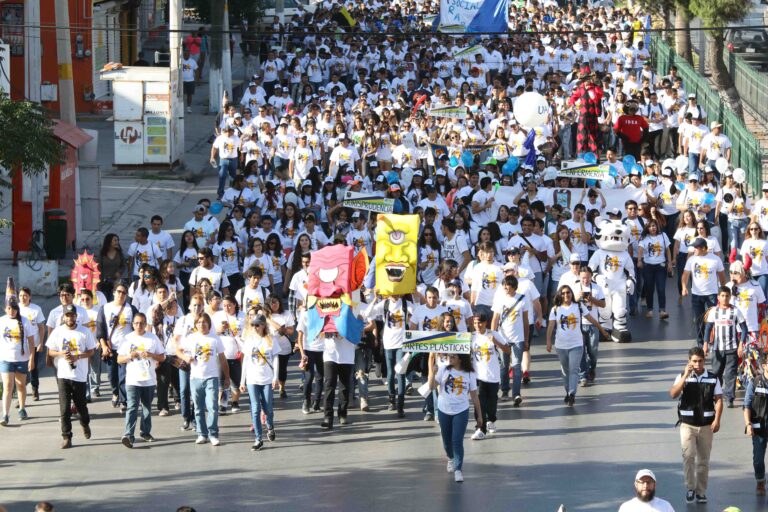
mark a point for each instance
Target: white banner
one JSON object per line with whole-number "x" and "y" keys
{"x": 614, "y": 197}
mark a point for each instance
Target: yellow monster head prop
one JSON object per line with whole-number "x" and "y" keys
{"x": 396, "y": 253}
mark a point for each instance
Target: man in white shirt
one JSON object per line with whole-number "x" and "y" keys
{"x": 454, "y": 245}
{"x": 202, "y": 227}
{"x": 141, "y": 252}
{"x": 188, "y": 71}
{"x": 714, "y": 145}
{"x": 254, "y": 96}
{"x": 708, "y": 273}
{"x": 227, "y": 146}
{"x": 161, "y": 239}
{"x": 645, "y": 499}
{"x": 208, "y": 269}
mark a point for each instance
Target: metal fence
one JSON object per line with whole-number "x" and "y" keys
{"x": 746, "y": 151}
{"x": 752, "y": 85}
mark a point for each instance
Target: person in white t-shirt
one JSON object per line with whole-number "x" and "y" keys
{"x": 486, "y": 278}
{"x": 259, "y": 362}
{"x": 511, "y": 320}
{"x": 142, "y": 251}
{"x": 188, "y": 71}
{"x": 456, "y": 386}
{"x": 140, "y": 352}
{"x": 205, "y": 354}
{"x": 645, "y": 499}
{"x": 229, "y": 324}
{"x": 708, "y": 273}
{"x": 161, "y": 239}
{"x": 34, "y": 314}
{"x": 71, "y": 347}
{"x": 485, "y": 347}
{"x": 17, "y": 349}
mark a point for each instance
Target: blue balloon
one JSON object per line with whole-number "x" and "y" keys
{"x": 580, "y": 156}
{"x": 453, "y": 161}
{"x": 591, "y": 183}
{"x": 216, "y": 208}
{"x": 590, "y": 158}
{"x": 638, "y": 168}
{"x": 709, "y": 198}
{"x": 467, "y": 158}
{"x": 511, "y": 164}
{"x": 393, "y": 177}
{"x": 629, "y": 161}
{"x": 612, "y": 172}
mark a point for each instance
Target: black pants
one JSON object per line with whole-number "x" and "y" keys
{"x": 343, "y": 374}
{"x": 725, "y": 366}
{"x": 164, "y": 373}
{"x": 314, "y": 365}
{"x": 236, "y": 281}
{"x": 282, "y": 367}
{"x": 655, "y": 139}
{"x": 488, "y": 393}
{"x": 72, "y": 391}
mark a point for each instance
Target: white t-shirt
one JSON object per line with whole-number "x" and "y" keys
{"x": 281, "y": 342}
{"x": 230, "y": 338}
{"x": 758, "y": 251}
{"x": 486, "y": 278}
{"x": 144, "y": 253}
{"x": 453, "y": 389}
{"x": 338, "y": 350}
{"x": 206, "y": 350}
{"x": 394, "y": 321}
{"x": 248, "y": 297}
{"x": 510, "y": 310}
{"x": 140, "y": 372}
{"x": 188, "y": 68}
{"x": 713, "y": 246}
{"x": 34, "y": 314}
{"x": 704, "y": 271}
{"x": 460, "y": 310}
{"x": 454, "y": 249}
{"x": 568, "y": 321}
{"x": 576, "y": 233}
{"x": 486, "y": 357}
{"x": 10, "y": 343}
{"x": 258, "y": 365}
{"x": 749, "y": 295}
{"x": 316, "y": 344}
{"x": 427, "y": 319}
{"x": 655, "y": 505}
{"x": 215, "y": 275}
{"x": 78, "y": 341}
{"x": 686, "y": 237}
{"x": 654, "y": 249}
{"x": 162, "y": 241}
{"x": 122, "y": 324}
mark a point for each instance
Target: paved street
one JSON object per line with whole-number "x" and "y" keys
{"x": 543, "y": 454}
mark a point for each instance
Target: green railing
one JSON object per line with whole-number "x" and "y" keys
{"x": 746, "y": 151}
{"x": 752, "y": 85}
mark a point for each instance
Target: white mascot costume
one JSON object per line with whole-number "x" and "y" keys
{"x": 615, "y": 272}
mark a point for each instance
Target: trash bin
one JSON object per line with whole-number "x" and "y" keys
{"x": 55, "y": 229}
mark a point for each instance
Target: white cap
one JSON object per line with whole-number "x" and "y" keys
{"x": 645, "y": 472}
{"x": 574, "y": 258}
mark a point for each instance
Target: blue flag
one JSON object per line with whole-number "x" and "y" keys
{"x": 530, "y": 158}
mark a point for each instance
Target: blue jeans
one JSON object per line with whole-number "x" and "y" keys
{"x": 762, "y": 280}
{"x": 589, "y": 358}
{"x": 261, "y": 399}
{"x": 693, "y": 162}
{"x": 700, "y": 304}
{"x": 204, "y": 395}
{"x": 187, "y": 412}
{"x": 362, "y": 361}
{"x": 392, "y": 356}
{"x": 655, "y": 277}
{"x": 758, "y": 455}
{"x": 227, "y": 168}
{"x": 139, "y": 395}
{"x": 635, "y": 297}
{"x": 736, "y": 231}
{"x": 117, "y": 377}
{"x": 513, "y": 360}
{"x": 570, "y": 359}
{"x": 452, "y": 428}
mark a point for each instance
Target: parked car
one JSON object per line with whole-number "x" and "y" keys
{"x": 751, "y": 44}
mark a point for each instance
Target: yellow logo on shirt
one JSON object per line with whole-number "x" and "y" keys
{"x": 568, "y": 322}
{"x": 702, "y": 270}
{"x": 489, "y": 281}
{"x": 203, "y": 352}
{"x": 12, "y": 334}
{"x": 455, "y": 385}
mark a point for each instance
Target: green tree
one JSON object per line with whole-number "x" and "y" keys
{"x": 26, "y": 140}
{"x": 719, "y": 13}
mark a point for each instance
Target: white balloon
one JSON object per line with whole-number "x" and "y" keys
{"x": 739, "y": 175}
{"x": 721, "y": 164}
{"x": 531, "y": 109}
{"x": 681, "y": 162}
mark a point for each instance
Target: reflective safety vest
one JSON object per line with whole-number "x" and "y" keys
{"x": 696, "y": 406}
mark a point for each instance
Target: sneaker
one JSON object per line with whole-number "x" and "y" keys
{"x": 409, "y": 390}
{"x": 343, "y": 420}
{"x": 127, "y": 442}
{"x": 583, "y": 383}
{"x": 571, "y": 400}
{"x": 591, "y": 374}
{"x": 258, "y": 445}
{"x": 148, "y": 438}
{"x": 316, "y": 406}
{"x": 189, "y": 110}
{"x": 186, "y": 425}
{"x": 215, "y": 441}
{"x": 364, "y": 405}
{"x": 729, "y": 404}
{"x": 235, "y": 407}
{"x": 689, "y": 496}
{"x": 326, "y": 424}
{"x": 450, "y": 467}
{"x": 201, "y": 440}
{"x": 177, "y": 406}
{"x": 526, "y": 378}
{"x": 164, "y": 412}
{"x": 760, "y": 489}
{"x": 429, "y": 417}
{"x": 23, "y": 414}
{"x": 479, "y": 435}
{"x": 123, "y": 407}
{"x": 518, "y": 400}
{"x": 458, "y": 476}
{"x": 663, "y": 315}
{"x": 222, "y": 410}
{"x": 271, "y": 434}
{"x": 96, "y": 393}
{"x": 649, "y": 314}
{"x": 115, "y": 401}
{"x": 392, "y": 406}
{"x": 283, "y": 394}
{"x": 36, "y": 395}
{"x": 701, "y": 498}
{"x": 66, "y": 442}
{"x": 504, "y": 396}
{"x": 305, "y": 408}
{"x": 491, "y": 427}
{"x": 87, "y": 431}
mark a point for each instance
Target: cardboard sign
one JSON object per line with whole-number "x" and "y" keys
{"x": 443, "y": 342}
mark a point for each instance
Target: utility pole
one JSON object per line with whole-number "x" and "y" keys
{"x": 226, "y": 59}
{"x": 215, "y": 55}
{"x": 32, "y": 79}
{"x": 177, "y": 103}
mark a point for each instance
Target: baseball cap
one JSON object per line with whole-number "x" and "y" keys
{"x": 379, "y": 179}
{"x": 736, "y": 267}
{"x": 429, "y": 183}
{"x": 440, "y": 172}
{"x": 355, "y": 215}
{"x": 418, "y": 172}
{"x": 574, "y": 258}
{"x": 614, "y": 212}
{"x": 691, "y": 96}
{"x": 285, "y": 89}
{"x": 715, "y": 124}
{"x": 455, "y": 282}
{"x": 694, "y": 176}
{"x": 199, "y": 208}
{"x": 307, "y": 183}
{"x": 699, "y": 243}
{"x": 765, "y": 187}
{"x": 643, "y": 473}
{"x": 650, "y": 178}
{"x": 251, "y": 84}
{"x": 394, "y": 187}
{"x": 69, "y": 309}
{"x": 290, "y": 184}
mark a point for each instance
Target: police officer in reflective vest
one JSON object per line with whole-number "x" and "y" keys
{"x": 756, "y": 419}
{"x": 699, "y": 409}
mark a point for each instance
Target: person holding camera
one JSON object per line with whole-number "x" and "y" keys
{"x": 699, "y": 408}
{"x": 654, "y": 259}
{"x": 591, "y": 296}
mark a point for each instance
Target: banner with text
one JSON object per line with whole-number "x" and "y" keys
{"x": 368, "y": 202}
{"x": 587, "y": 171}
{"x": 443, "y": 342}
{"x": 474, "y": 15}
{"x": 458, "y": 112}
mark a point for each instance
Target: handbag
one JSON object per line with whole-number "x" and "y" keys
{"x": 177, "y": 362}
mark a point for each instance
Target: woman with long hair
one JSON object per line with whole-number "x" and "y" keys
{"x": 143, "y": 295}
{"x": 259, "y": 259}
{"x": 162, "y": 324}
{"x": 17, "y": 348}
{"x": 565, "y": 319}
{"x": 258, "y": 373}
{"x": 289, "y": 225}
{"x": 112, "y": 263}
{"x": 683, "y": 238}
{"x": 429, "y": 255}
{"x": 186, "y": 261}
{"x": 274, "y": 250}
{"x": 456, "y": 385}
{"x": 227, "y": 254}
{"x": 737, "y": 210}
{"x": 654, "y": 259}
{"x": 229, "y": 325}
{"x": 303, "y": 246}
{"x": 755, "y": 249}
{"x": 560, "y": 262}
{"x": 281, "y": 327}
